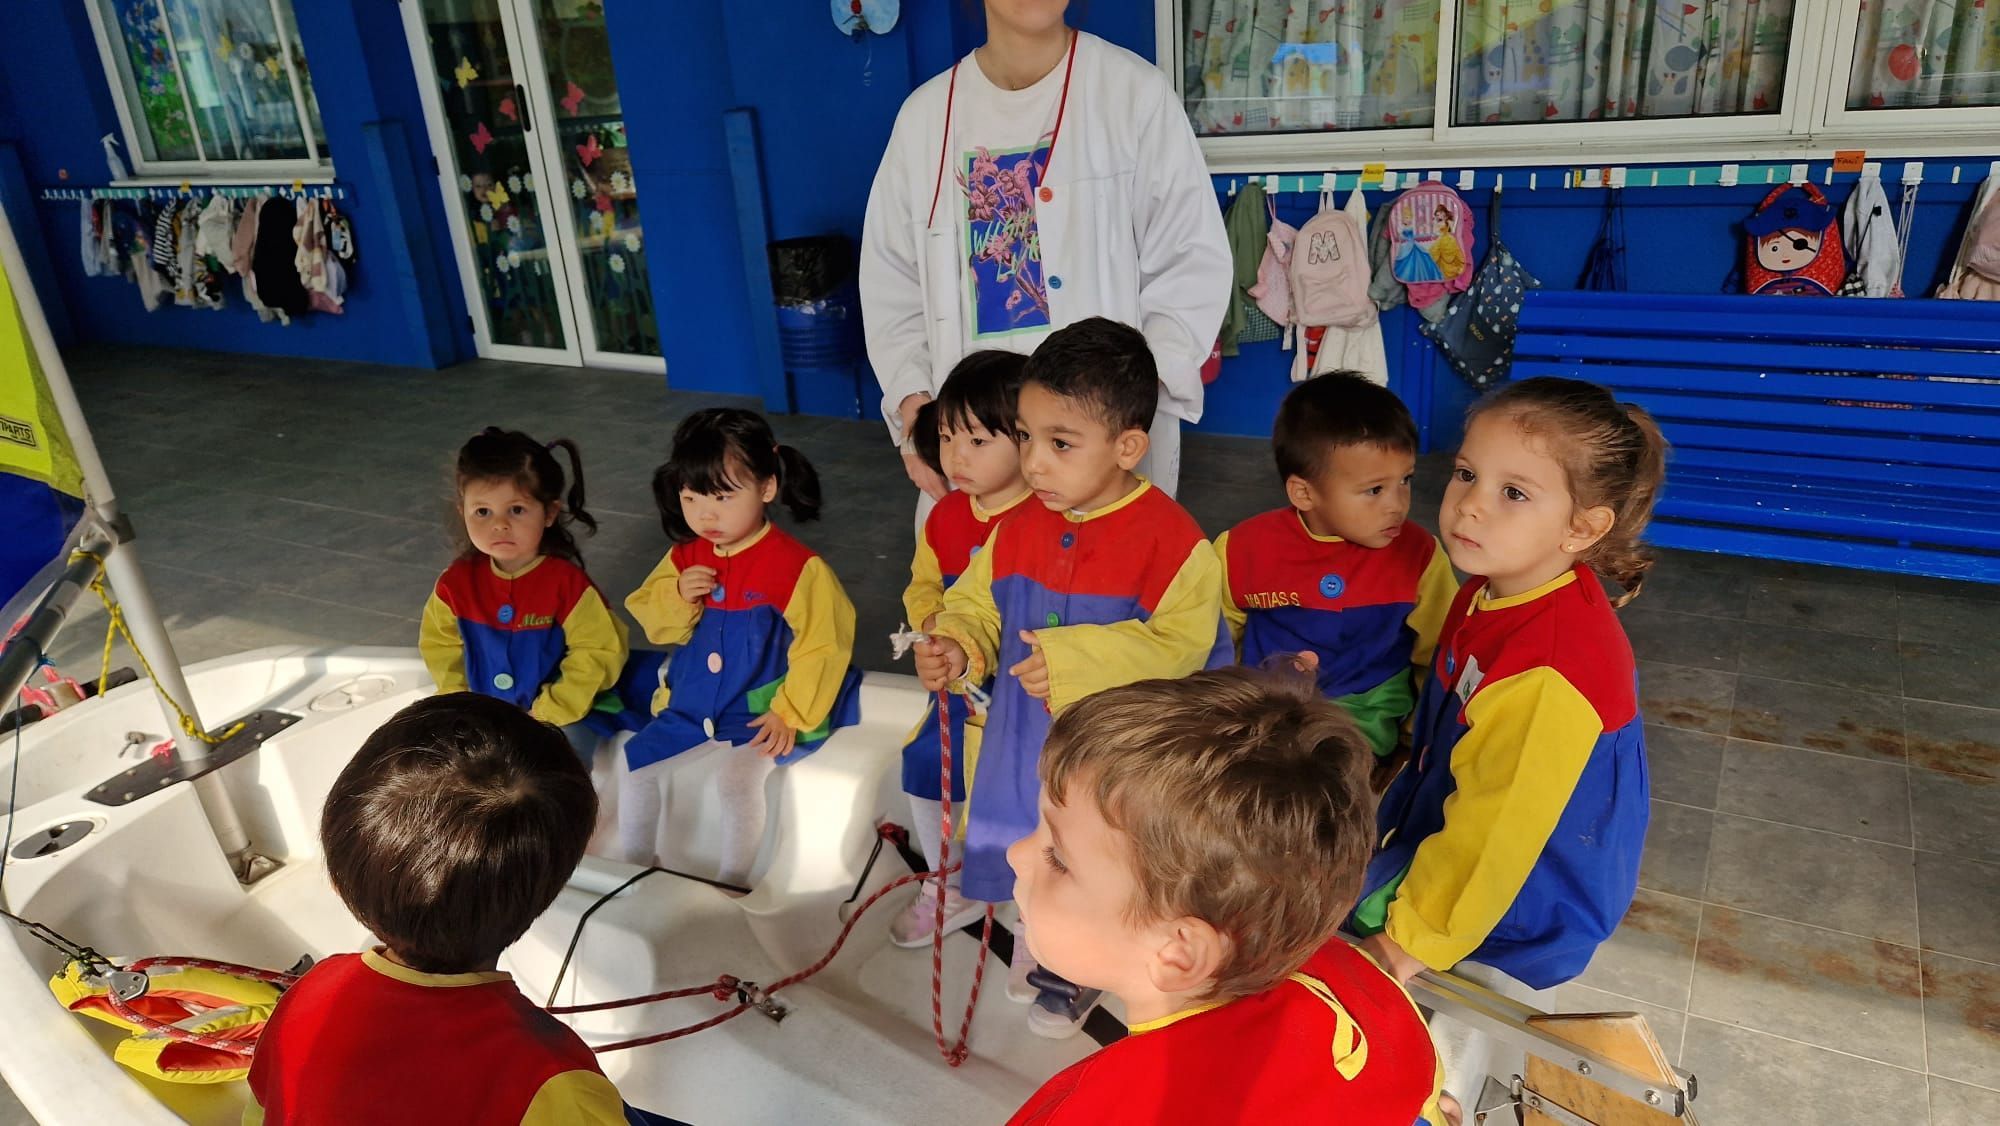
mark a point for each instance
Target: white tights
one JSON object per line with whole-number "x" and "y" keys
{"x": 645, "y": 794}
{"x": 927, "y": 825}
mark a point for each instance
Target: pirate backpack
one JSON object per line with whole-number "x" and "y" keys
{"x": 1794, "y": 246}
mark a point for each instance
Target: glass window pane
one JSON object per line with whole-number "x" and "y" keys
{"x": 1594, "y": 60}
{"x": 234, "y": 67}
{"x": 1304, "y": 66}
{"x": 1927, "y": 53}
{"x": 291, "y": 28}
{"x": 146, "y": 75}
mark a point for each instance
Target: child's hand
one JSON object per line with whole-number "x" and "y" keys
{"x": 775, "y": 738}
{"x": 1394, "y": 960}
{"x": 1033, "y": 673}
{"x": 696, "y": 583}
{"x": 939, "y": 662}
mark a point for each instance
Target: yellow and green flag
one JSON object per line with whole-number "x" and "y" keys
{"x": 41, "y": 489}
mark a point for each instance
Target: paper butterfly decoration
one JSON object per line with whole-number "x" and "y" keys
{"x": 572, "y": 98}
{"x": 507, "y": 109}
{"x": 481, "y": 137}
{"x": 498, "y": 197}
{"x": 589, "y": 151}
{"x": 603, "y": 202}
{"x": 465, "y": 73}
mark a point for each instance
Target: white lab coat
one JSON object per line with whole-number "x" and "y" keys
{"x": 1133, "y": 233}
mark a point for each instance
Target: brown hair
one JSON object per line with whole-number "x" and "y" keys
{"x": 1612, "y": 455}
{"x": 1245, "y": 797}
{"x": 494, "y": 454}
{"x": 1338, "y": 408}
{"x": 454, "y": 827}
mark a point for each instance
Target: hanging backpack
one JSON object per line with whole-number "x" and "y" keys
{"x": 1430, "y": 233}
{"x": 1329, "y": 270}
{"x": 1975, "y": 272}
{"x": 1794, "y": 246}
{"x": 1604, "y": 266}
{"x": 1273, "y": 291}
{"x": 1477, "y": 333}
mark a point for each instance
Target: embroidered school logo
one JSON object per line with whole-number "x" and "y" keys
{"x": 1331, "y": 586}
{"x": 18, "y": 432}
{"x": 754, "y": 596}
{"x": 537, "y": 621}
{"x": 1270, "y": 600}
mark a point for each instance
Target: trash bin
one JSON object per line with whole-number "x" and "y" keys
{"x": 819, "y": 323}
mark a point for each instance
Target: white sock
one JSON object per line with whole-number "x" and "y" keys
{"x": 739, "y": 781}
{"x": 926, "y": 823}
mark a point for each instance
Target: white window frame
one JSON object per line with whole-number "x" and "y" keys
{"x": 316, "y": 167}
{"x": 1812, "y": 122}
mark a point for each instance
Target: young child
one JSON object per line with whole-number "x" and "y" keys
{"x": 1513, "y": 836}
{"x": 446, "y": 835}
{"x": 514, "y": 616}
{"x": 765, "y": 632}
{"x": 1105, "y": 582}
{"x": 1197, "y": 840}
{"x": 1342, "y": 573}
{"x": 973, "y": 430}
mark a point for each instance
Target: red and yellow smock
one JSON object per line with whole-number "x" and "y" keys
{"x": 541, "y": 638}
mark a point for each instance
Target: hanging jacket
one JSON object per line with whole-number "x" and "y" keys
{"x": 274, "y": 258}
{"x": 1247, "y": 226}
{"x": 1869, "y": 233}
{"x": 317, "y": 269}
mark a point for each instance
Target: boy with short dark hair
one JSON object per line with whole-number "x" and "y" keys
{"x": 1342, "y": 572}
{"x": 1198, "y": 842}
{"x": 446, "y": 835}
{"x": 1104, "y": 582}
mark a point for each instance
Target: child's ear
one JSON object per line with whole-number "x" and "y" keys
{"x": 770, "y": 490}
{"x": 1299, "y": 492}
{"x": 1587, "y": 527}
{"x": 1132, "y": 446}
{"x": 1189, "y": 955}
{"x": 554, "y": 510}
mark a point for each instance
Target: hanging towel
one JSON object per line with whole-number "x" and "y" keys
{"x": 93, "y": 261}
{"x": 214, "y": 228}
{"x": 274, "y": 260}
{"x": 242, "y": 249}
{"x": 1867, "y": 230}
{"x": 311, "y": 259}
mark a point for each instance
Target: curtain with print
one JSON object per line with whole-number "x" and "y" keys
{"x": 1263, "y": 66}
{"x": 1922, "y": 53}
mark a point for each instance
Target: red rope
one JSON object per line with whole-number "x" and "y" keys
{"x": 954, "y": 1054}
{"x": 157, "y": 1027}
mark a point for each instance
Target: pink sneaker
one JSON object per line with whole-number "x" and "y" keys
{"x": 913, "y": 927}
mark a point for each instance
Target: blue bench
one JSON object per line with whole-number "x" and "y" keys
{"x": 1845, "y": 431}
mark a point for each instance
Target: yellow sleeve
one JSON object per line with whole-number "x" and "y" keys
{"x": 822, "y": 621}
{"x": 593, "y": 656}
{"x": 1174, "y": 641}
{"x": 253, "y": 1114}
{"x": 925, "y": 594}
{"x": 658, "y": 607}
{"x": 1435, "y": 592}
{"x": 1231, "y": 612}
{"x": 576, "y": 1098}
{"x": 442, "y": 647}
{"x": 971, "y": 617}
{"x": 1529, "y": 738}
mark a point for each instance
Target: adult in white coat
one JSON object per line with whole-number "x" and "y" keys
{"x": 1049, "y": 176}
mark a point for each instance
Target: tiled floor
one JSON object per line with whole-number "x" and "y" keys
{"x": 1818, "y": 934}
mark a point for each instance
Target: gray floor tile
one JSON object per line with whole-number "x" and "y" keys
{"x": 1677, "y": 844}
{"x": 1696, "y": 699}
{"x": 1753, "y": 1079}
{"x": 1960, "y": 1104}
{"x": 1784, "y": 871}
{"x": 1684, "y": 766}
{"x": 1677, "y": 586}
{"x": 1840, "y": 720}
{"x": 1815, "y": 657}
{"x": 1956, "y": 814}
{"x": 1683, "y": 639}
{"x": 1809, "y": 984}
{"x": 1962, "y": 1018}
{"x": 1823, "y": 606}
{"x": 1955, "y": 906}
{"x": 1948, "y": 673}
{"x": 1943, "y": 621}
{"x": 1817, "y": 790}
{"x": 1953, "y": 738}
{"x": 1576, "y": 997}
{"x": 1651, "y": 953}
{"x": 1948, "y": 588}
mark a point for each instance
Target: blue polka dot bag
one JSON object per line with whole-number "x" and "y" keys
{"x": 1477, "y": 332}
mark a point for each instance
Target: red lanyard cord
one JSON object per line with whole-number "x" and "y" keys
{"x": 1055, "y": 135}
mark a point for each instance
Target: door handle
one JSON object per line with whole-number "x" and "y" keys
{"x": 521, "y": 100}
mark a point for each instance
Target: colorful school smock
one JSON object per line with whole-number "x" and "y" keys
{"x": 1124, "y": 593}
{"x": 542, "y": 638}
{"x": 363, "y": 1039}
{"x": 1368, "y": 613}
{"x": 1336, "y": 1041}
{"x": 1529, "y": 730}
{"x": 953, "y": 533}
{"x": 775, "y": 635}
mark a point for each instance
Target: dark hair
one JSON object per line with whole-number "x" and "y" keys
{"x": 924, "y": 436}
{"x": 713, "y": 449}
{"x": 983, "y": 389}
{"x": 1340, "y": 408}
{"x": 1104, "y": 365}
{"x": 494, "y": 454}
{"x": 1612, "y": 455}
{"x": 454, "y": 827}
{"x": 1245, "y": 795}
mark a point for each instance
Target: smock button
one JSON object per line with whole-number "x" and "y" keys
{"x": 708, "y": 728}
{"x": 1055, "y": 282}
{"x": 715, "y": 662}
{"x": 1069, "y": 539}
{"x": 1047, "y": 194}
{"x": 716, "y": 594}
{"x": 1055, "y": 619}
{"x": 1330, "y": 586}
{"x": 502, "y": 681}
{"x": 505, "y": 615}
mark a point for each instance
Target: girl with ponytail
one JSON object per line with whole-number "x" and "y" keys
{"x": 1513, "y": 835}
{"x": 515, "y": 616}
{"x": 763, "y": 670}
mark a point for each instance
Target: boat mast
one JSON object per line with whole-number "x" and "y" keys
{"x": 121, "y": 562}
